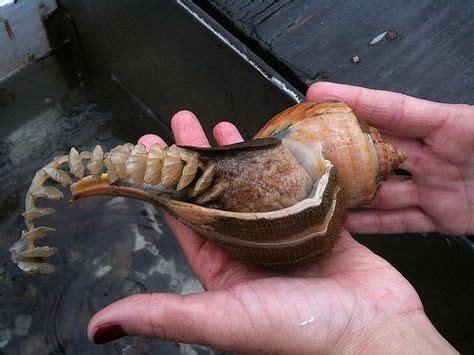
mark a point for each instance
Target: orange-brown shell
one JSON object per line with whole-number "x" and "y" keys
{"x": 363, "y": 158}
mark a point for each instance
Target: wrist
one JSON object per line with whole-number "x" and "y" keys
{"x": 407, "y": 334}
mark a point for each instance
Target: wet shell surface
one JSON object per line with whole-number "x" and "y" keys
{"x": 276, "y": 201}
{"x": 363, "y": 158}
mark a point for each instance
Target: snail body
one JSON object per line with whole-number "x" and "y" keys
{"x": 276, "y": 201}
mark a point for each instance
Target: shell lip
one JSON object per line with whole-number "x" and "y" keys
{"x": 295, "y": 240}
{"x": 315, "y": 195}
{"x": 324, "y": 200}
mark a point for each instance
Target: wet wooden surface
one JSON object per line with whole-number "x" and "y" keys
{"x": 429, "y": 52}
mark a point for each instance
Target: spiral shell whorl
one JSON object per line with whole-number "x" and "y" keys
{"x": 389, "y": 158}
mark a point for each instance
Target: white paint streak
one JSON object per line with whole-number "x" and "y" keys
{"x": 307, "y": 321}
{"x": 102, "y": 270}
{"x": 280, "y": 84}
{"x": 377, "y": 38}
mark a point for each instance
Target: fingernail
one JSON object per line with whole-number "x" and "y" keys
{"x": 183, "y": 120}
{"x": 108, "y": 332}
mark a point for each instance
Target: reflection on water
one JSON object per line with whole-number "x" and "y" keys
{"x": 109, "y": 247}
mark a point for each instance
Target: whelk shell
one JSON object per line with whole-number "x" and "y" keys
{"x": 276, "y": 201}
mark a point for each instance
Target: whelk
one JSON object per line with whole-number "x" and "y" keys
{"x": 276, "y": 201}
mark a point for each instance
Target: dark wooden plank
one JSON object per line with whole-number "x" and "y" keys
{"x": 430, "y": 58}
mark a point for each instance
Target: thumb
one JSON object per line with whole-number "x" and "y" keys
{"x": 200, "y": 318}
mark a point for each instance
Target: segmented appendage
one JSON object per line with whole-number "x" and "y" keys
{"x": 172, "y": 168}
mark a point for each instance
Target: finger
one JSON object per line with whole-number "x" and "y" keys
{"x": 396, "y": 193}
{"x": 150, "y": 139}
{"x": 408, "y": 220}
{"x": 198, "y": 319}
{"x": 220, "y": 320}
{"x": 399, "y": 114}
{"x": 187, "y": 130}
{"x": 226, "y": 133}
{"x": 242, "y": 319}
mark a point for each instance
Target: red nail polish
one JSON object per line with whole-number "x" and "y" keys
{"x": 108, "y": 332}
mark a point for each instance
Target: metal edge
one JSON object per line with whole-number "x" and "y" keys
{"x": 241, "y": 50}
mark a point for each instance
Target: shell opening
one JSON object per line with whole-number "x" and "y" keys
{"x": 315, "y": 198}
{"x": 310, "y": 157}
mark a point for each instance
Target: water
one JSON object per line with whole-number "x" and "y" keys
{"x": 109, "y": 248}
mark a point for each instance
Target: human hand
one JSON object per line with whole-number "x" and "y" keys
{"x": 439, "y": 140}
{"x": 352, "y": 301}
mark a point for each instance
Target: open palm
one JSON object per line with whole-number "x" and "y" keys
{"x": 353, "y": 300}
